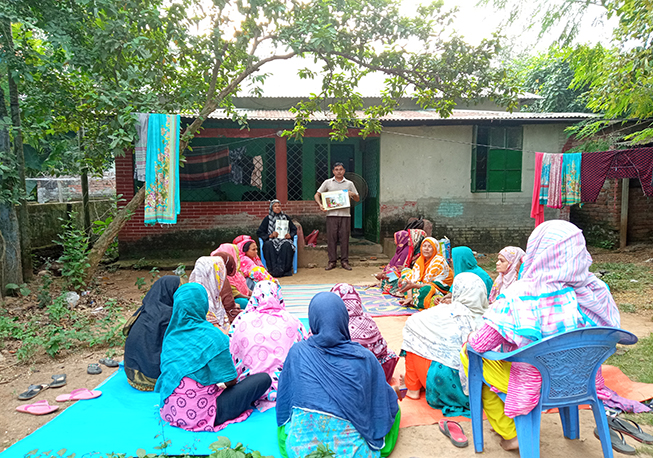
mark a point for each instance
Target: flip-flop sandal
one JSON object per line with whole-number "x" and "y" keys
{"x": 37, "y": 408}
{"x": 58, "y": 381}
{"x": 454, "y": 432}
{"x": 79, "y": 394}
{"x": 94, "y": 369}
{"x": 623, "y": 425}
{"x": 618, "y": 442}
{"x": 31, "y": 392}
{"x": 109, "y": 362}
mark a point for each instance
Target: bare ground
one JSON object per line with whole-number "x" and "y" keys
{"x": 414, "y": 442}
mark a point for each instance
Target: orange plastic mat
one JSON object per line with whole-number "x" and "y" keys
{"x": 626, "y": 388}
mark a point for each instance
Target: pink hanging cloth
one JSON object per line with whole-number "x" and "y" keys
{"x": 555, "y": 182}
{"x": 537, "y": 210}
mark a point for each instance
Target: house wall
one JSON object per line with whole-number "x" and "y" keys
{"x": 426, "y": 171}
{"x": 200, "y": 225}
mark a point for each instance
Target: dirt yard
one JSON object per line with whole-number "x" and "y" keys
{"x": 414, "y": 442}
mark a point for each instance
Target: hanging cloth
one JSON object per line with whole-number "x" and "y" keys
{"x": 544, "y": 181}
{"x": 630, "y": 163}
{"x": 162, "y": 170}
{"x": 555, "y": 182}
{"x": 571, "y": 166}
{"x": 140, "y": 149}
{"x": 537, "y": 210}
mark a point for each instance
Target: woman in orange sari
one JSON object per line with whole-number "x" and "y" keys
{"x": 430, "y": 277}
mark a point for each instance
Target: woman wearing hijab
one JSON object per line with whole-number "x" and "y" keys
{"x": 239, "y": 289}
{"x": 556, "y": 293}
{"x": 333, "y": 391}
{"x": 145, "y": 331}
{"x": 250, "y": 263}
{"x": 429, "y": 279}
{"x": 211, "y": 272}
{"x": 364, "y": 330}
{"x": 277, "y": 232}
{"x": 465, "y": 261}
{"x": 198, "y": 386}
{"x": 432, "y": 342}
{"x": 507, "y": 268}
{"x": 408, "y": 244}
{"x": 261, "y": 337}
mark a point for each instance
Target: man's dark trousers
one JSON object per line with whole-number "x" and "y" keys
{"x": 338, "y": 228}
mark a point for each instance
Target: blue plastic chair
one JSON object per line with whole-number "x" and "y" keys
{"x": 294, "y": 258}
{"x": 568, "y": 363}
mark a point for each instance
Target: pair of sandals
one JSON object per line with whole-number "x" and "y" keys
{"x": 42, "y": 407}
{"x": 94, "y": 368}
{"x": 58, "y": 381}
{"x": 619, "y": 427}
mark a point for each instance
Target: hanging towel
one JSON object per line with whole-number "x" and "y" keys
{"x": 630, "y": 163}
{"x": 555, "y": 182}
{"x": 537, "y": 209}
{"x": 544, "y": 182}
{"x": 205, "y": 167}
{"x": 162, "y": 171}
{"x": 571, "y": 166}
{"x": 140, "y": 149}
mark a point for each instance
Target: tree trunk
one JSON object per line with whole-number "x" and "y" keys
{"x": 86, "y": 207}
{"x": 111, "y": 232}
{"x": 23, "y": 217}
{"x": 100, "y": 247}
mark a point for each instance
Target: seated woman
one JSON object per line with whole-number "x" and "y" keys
{"x": 239, "y": 289}
{"x": 429, "y": 279}
{"x": 408, "y": 244}
{"x": 261, "y": 337}
{"x": 278, "y": 251}
{"x": 432, "y": 342}
{"x": 508, "y": 269}
{"x": 145, "y": 331}
{"x": 250, "y": 264}
{"x": 198, "y": 384}
{"x": 556, "y": 293}
{"x": 333, "y": 391}
{"x": 211, "y": 272}
{"x": 364, "y": 330}
{"x": 465, "y": 261}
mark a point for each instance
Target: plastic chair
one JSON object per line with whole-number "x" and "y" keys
{"x": 294, "y": 258}
{"x": 568, "y": 363}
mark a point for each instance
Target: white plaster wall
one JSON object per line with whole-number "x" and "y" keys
{"x": 435, "y": 162}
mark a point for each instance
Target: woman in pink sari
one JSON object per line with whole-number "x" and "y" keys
{"x": 364, "y": 330}
{"x": 261, "y": 337}
{"x": 237, "y": 281}
{"x": 250, "y": 264}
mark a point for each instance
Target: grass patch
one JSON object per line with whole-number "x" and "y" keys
{"x": 636, "y": 361}
{"x": 619, "y": 275}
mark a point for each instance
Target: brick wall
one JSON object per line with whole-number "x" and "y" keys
{"x": 600, "y": 220}
{"x": 199, "y": 223}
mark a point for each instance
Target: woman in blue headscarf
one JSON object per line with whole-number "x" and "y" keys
{"x": 465, "y": 261}
{"x": 198, "y": 378}
{"x": 333, "y": 391}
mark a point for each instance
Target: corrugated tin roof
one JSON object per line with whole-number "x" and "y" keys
{"x": 408, "y": 115}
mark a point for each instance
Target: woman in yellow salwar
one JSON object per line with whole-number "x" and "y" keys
{"x": 430, "y": 278}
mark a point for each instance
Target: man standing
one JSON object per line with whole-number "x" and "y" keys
{"x": 338, "y": 222}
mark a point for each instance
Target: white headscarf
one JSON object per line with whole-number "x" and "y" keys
{"x": 438, "y": 333}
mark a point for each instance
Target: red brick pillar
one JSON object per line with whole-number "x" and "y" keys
{"x": 125, "y": 177}
{"x": 281, "y": 159}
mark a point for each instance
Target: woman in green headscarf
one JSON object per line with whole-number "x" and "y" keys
{"x": 198, "y": 378}
{"x": 465, "y": 261}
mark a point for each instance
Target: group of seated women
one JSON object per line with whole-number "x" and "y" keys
{"x": 331, "y": 385}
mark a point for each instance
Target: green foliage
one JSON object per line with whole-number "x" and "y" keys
{"x": 138, "y": 265}
{"x": 180, "y": 271}
{"x": 140, "y": 282}
{"x": 550, "y": 75}
{"x": 44, "y": 296}
{"x": 74, "y": 242}
{"x": 14, "y": 290}
{"x": 63, "y": 328}
{"x": 98, "y": 228}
